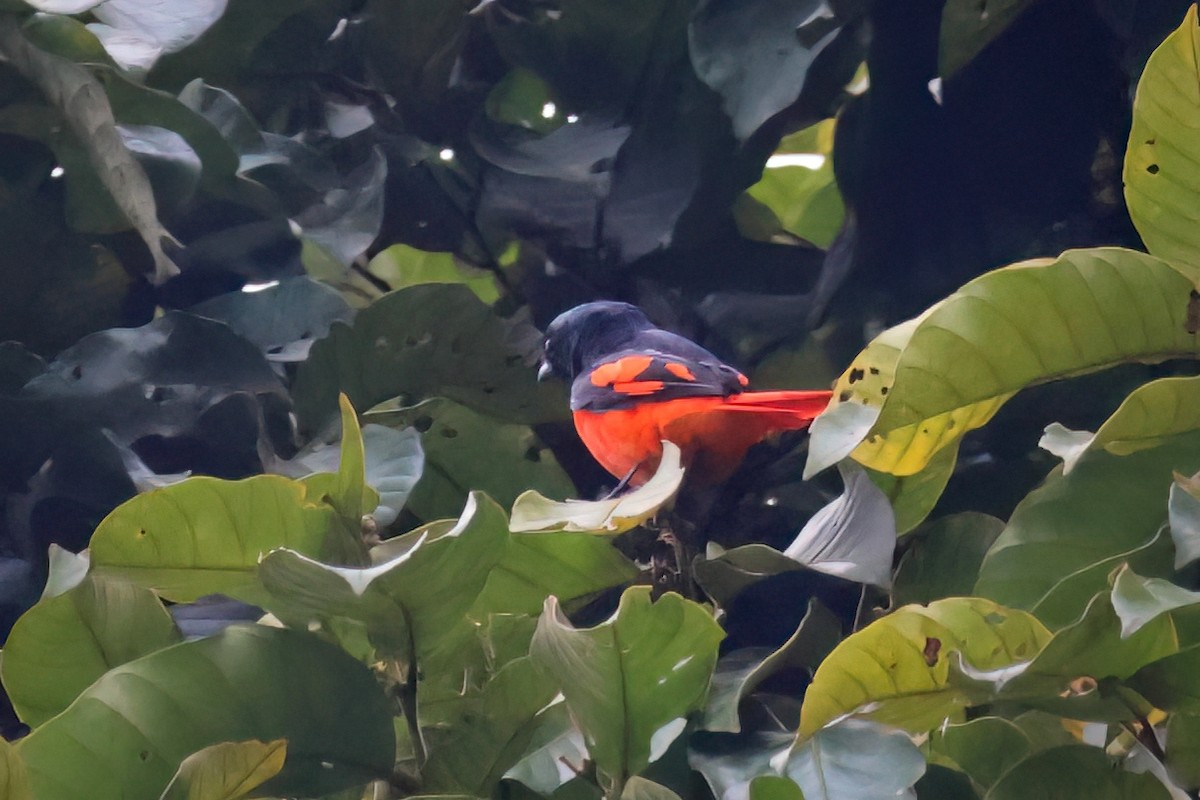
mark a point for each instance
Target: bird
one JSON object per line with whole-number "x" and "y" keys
{"x": 633, "y": 385}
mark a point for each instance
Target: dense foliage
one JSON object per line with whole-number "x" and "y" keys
{"x": 285, "y": 512}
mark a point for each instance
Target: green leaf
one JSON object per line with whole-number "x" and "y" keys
{"x": 1162, "y": 182}
{"x": 14, "y": 779}
{"x": 64, "y": 643}
{"x": 802, "y": 197}
{"x": 914, "y": 496}
{"x": 630, "y": 677}
{"x": 414, "y": 596}
{"x": 730, "y": 763}
{"x": 1080, "y": 526}
{"x": 523, "y": 99}
{"x": 423, "y": 341}
{"x": 983, "y": 748}
{"x": 1183, "y": 749}
{"x": 1183, "y": 515}
{"x": 1138, "y": 600}
{"x": 81, "y": 99}
{"x": 127, "y": 735}
{"x": 1075, "y": 772}
{"x": 961, "y": 360}
{"x": 401, "y": 265}
{"x": 774, "y": 787}
{"x": 227, "y": 771}
{"x": 1169, "y": 681}
{"x": 466, "y": 450}
{"x": 474, "y": 751}
{"x": 855, "y": 758}
{"x": 724, "y": 575}
{"x": 944, "y": 556}
{"x": 1150, "y": 415}
{"x": 347, "y": 489}
{"x": 968, "y": 26}
{"x": 205, "y": 536}
{"x": 897, "y": 669}
{"x": 554, "y": 752}
{"x": 738, "y": 674}
{"x": 532, "y": 511}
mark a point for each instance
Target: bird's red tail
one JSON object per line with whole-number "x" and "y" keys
{"x": 791, "y": 409}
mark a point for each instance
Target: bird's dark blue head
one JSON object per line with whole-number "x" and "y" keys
{"x": 579, "y": 337}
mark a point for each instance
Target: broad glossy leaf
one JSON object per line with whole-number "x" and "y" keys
{"x": 1147, "y": 418}
{"x": 1169, "y": 682}
{"x": 401, "y": 265}
{"x": 757, "y": 54}
{"x": 739, "y": 673}
{"x": 856, "y": 758}
{"x": 204, "y": 535}
{"x": 984, "y": 748}
{"x": 126, "y": 736}
{"x": 283, "y": 320}
{"x": 1081, "y": 525}
{"x": 64, "y": 643}
{"x": 965, "y": 356}
{"x": 163, "y": 26}
{"x": 724, "y": 575}
{"x": 637, "y": 788}
{"x": 554, "y": 753}
{"x": 226, "y": 771}
{"x": 469, "y": 451}
{"x": 944, "y": 556}
{"x": 631, "y": 676}
{"x": 14, "y": 781}
{"x": 1075, "y": 772}
{"x": 532, "y": 511}
{"x": 422, "y": 341}
{"x": 797, "y": 190}
{"x": 347, "y": 489}
{"x": 854, "y": 536}
{"x": 476, "y": 749}
{"x": 914, "y": 496}
{"x": 1162, "y": 181}
{"x": 412, "y": 598}
{"x": 898, "y": 669}
{"x": 729, "y": 763}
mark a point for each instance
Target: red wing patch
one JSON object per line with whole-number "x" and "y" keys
{"x": 743, "y": 380}
{"x": 620, "y": 371}
{"x": 637, "y": 388}
{"x": 679, "y": 371}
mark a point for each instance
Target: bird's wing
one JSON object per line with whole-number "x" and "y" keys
{"x": 630, "y": 377}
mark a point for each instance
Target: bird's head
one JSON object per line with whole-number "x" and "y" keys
{"x": 578, "y": 337}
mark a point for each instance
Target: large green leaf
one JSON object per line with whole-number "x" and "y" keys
{"x": 205, "y": 536}
{"x": 630, "y": 677}
{"x": 14, "y": 780}
{"x": 227, "y": 771}
{"x": 347, "y": 489}
{"x": 421, "y": 341}
{"x": 1183, "y": 749}
{"x": 961, "y": 360}
{"x": 489, "y": 735}
{"x": 898, "y": 669}
{"x": 1075, "y": 772}
{"x": 401, "y": 265}
{"x": 412, "y": 598}
{"x": 983, "y": 748}
{"x": 126, "y": 736}
{"x": 466, "y": 451}
{"x": 1067, "y": 535}
{"x": 943, "y": 557}
{"x": 855, "y": 758}
{"x": 1162, "y": 180}
{"x": 797, "y": 191}
{"x": 1137, "y": 600}
{"x": 64, "y": 643}
{"x": 1150, "y": 415}
{"x": 968, "y": 26}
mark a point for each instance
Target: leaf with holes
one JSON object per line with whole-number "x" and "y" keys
{"x": 961, "y": 360}
{"x": 897, "y": 669}
{"x": 205, "y": 536}
{"x": 1162, "y": 179}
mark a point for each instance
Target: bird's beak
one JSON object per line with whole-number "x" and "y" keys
{"x": 544, "y": 371}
